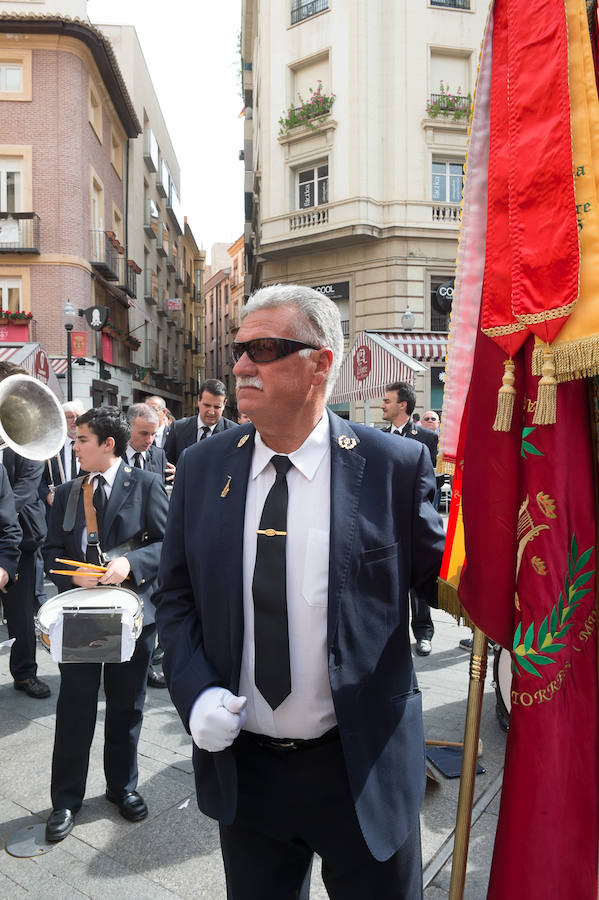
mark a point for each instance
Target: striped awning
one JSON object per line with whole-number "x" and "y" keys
{"x": 429, "y": 346}
{"x": 32, "y": 356}
{"x": 59, "y": 364}
{"x": 371, "y": 364}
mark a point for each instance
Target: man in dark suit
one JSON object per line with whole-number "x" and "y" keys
{"x": 288, "y": 656}
{"x": 158, "y": 404}
{"x": 209, "y": 420}
{"x": 55, "y": 473}
{"x": 141, "y": 452}
{"x": 10, "y": 534}
{"x": 398, "y": 405}
{"x": 131, "y": 511}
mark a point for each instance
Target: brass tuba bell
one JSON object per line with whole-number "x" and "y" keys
{"x": 32, "y": 421}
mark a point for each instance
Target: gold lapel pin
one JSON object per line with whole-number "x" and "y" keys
{"x": 346, "y": 442}
{"x": 242, "y": 440}
{"x": 225, "y": 490}
{"x": 126, "y": 469}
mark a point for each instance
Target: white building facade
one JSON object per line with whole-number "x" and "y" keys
{"x": 364, "y": 202}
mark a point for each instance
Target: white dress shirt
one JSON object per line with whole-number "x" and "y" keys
{"x": 67, "y": 459}
{"x": 202, "y": 425}
{"x": 130, "y": 453}
{"x": 109, "y": 476}
{"x": 308, "y": 711}
{"x": 159, "y": 437}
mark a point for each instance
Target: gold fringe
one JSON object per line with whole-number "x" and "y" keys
{"x": 572, "y": 359}
{"x": 444, "y": 467}
{"x": 450, "y": 603}
{"x": 546, "y": 405}
{"x": 505, "y": 398}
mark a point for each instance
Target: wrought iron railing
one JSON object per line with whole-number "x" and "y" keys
{"x": 299, "y": 13}
{"x": 19, "y": 232}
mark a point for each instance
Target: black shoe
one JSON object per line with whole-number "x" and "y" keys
{"x": 59, "y": 825}
{"x": 156, "y": 679}
{"x": 33, "y": 687}
{"x": 157, "y": 655}
{"x": 466, "y": 643}
{"x": 423, "y": 647}
{"x": 131, "y": 806}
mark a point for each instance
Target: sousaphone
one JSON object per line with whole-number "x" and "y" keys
{"x": 32, "y": 421}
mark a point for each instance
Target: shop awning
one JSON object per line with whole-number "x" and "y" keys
{"x": 426, "y": 346}
{"x": 34, "y": 358}
{"x": 371, "y": 364}
{"x": 59, "y": 364}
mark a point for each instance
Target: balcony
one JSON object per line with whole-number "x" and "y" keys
{"x": 103, "y": 255}
{"x": 307, "y": 10}
{"x": 316, "y": 215}
{"x": 188, "y": 342}
{"x": 180, "y": 274}
{"x": 179, "y": 322}
{"x": 451, "y": 4}
{"x": 171, "y": 259}
{"x": 151, "y": 286}
{"x": 151, "y": 219}
{"x": 150, "y": 150}
{"x": 19, "y": 232}
{"x": 127, "y": 277}
{"x": 161, "y": 307}
{"x": 447, "y": 212}
{"x": 162, "y": 179}
{"x": 162, "y": 239}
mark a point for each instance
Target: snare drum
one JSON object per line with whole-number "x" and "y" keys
{"x": 502, "y": 678}
{"x": 95, "y": 624}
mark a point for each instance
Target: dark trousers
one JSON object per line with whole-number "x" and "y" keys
{"x": 297, "y": 802}
{"x": 422, "y": 624}
{"x": 19, "y": 605}
{"x": 125, "y": 689}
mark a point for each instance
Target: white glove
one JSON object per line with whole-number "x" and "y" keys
{"x": 216, "y": 718}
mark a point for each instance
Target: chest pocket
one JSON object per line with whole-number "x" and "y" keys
{"x": 315, "y": 583}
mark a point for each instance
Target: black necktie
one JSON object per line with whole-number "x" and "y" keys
{"x": 99, "y": 501}
{"x": 137, "y": 460}
{"x": 205, "y": 431}
{"x": 271, "y": 633}
{"x": 73, "y": 460}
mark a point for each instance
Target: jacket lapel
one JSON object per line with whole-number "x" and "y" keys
{"x": 347, "y": 469}
{"x": 229, "y": 512}
{"x": 119, "y": 493}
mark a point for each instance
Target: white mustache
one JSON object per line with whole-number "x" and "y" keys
{"x": 249, "y": 381}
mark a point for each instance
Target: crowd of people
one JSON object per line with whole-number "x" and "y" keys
{"x": 288, "y": 657}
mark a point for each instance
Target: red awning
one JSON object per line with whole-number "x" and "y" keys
{"x": 427, "y": 346}
{"x": 371, "y": 364}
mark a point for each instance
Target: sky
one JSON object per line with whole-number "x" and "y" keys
{"x": 191, "y": 50}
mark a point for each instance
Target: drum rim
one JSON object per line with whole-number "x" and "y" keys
{"x": 51, "y": 604}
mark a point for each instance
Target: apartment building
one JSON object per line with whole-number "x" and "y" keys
{"x": 355, "y": 140}
{"x": 66, "y": 121}
{"x": 223, "y": 301}
{"x": 193, "y": 261}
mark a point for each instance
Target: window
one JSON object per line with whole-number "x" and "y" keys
{"x": 95, "y": 110}
{"x": 15, "y": 74}
{"x": 447, "y": 181}
{"x": 117, "y": 223}
{"x": 97, "y": 203}
{"x": 10, "y": 294}
{"x": 441, "y": 297}
{"x": 116, "y": 152}
{"x": 304, "y": 9}
{"x": 11, "y": 184}
{"x": 313, "y": 187}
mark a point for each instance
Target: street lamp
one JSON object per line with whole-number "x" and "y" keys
{"x": 408, "y": 320}
{"x": 68, "y": 315}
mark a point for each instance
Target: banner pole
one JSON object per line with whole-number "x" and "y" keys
{"x": 478, "y": 671}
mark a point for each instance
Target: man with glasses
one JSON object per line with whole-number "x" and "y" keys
{"x": 288, "y": 655}
{"x": 430, "y": 420}
{"x": 209, "y": 420}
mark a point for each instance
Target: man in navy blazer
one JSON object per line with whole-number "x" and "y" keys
{"x": 333, "y": 764}
{"x": 132, "y": 526}
{"x": 209, "y": 420}
{"x": 141, "y": 452}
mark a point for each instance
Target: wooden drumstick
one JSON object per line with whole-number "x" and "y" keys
{"x": 79, "y": 563}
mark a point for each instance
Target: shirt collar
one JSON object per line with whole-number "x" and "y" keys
{"x": 306, "y": 458}
{"x": 131, "y": 453}
{"x": 109, "y": 474}
{"x": 203, "y": 425}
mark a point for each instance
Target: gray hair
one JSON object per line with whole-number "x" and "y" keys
{"x": 74, "y": 406}
{"x": 160, "y": 401}
{"x": 318, "y": 321}
{"x": 142, "y": 411}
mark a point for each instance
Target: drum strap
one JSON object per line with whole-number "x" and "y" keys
{"x": 91, "y": 521}
{"x": 68, "y": 523}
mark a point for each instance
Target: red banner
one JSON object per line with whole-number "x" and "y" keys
{"x": 78, "y": 344}
{"x": 530, "y": 523}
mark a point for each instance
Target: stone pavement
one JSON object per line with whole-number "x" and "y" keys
{"x": 175, "y": 852}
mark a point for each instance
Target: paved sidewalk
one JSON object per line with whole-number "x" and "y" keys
{"x": 175, "y": 852}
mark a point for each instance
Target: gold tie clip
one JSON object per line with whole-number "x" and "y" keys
{"x": 270, "y": 532}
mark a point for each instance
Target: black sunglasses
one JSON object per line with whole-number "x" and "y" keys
{"x": 267, "y": 349}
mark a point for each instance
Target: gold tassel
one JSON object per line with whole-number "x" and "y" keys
{"x": 449, "y": 601}
{"x": 505, "y": 398}
{"x": 546, "y": 405}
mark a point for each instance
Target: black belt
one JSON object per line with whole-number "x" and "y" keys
{"x": 283, "y": 744}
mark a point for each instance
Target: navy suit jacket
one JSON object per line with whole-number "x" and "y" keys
{"x": 385, "y": 537}
{"x": 137, "y": 503}
{"x": 424, "y": 435}
{"x": 184, "y": 433}
{"x": 155, "y": 460}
